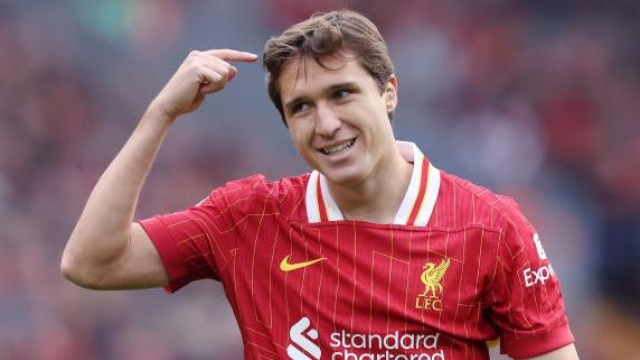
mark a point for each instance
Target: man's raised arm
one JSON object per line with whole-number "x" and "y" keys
{"x": 106, "y": 250}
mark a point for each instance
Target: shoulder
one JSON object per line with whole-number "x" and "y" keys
{"x": 464, "y": 203}
{"x": 479, "y": 207}
{"x": 259, "y": 185}
{"x": 257, "y": 190}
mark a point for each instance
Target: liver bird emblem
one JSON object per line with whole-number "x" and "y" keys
{"x": 432, "y": 276}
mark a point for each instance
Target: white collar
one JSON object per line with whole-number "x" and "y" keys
{"x": 415, "y": 209}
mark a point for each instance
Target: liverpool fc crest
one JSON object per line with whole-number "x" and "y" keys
{"x": 431, "y": 277}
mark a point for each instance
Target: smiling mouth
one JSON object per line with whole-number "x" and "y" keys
{"x": 337, "y": 148}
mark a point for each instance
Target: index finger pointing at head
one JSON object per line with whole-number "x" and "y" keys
{"x": 233, "y": 55}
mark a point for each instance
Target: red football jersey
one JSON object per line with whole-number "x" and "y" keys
{"x": 458, "y": 267}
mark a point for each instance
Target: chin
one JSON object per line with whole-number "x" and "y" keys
{"x": 344, "y": 176}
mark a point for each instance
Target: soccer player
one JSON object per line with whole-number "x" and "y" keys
{"x": 373, "y": 254}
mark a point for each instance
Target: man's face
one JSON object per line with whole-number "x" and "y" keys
{"x": 338, "y": 119}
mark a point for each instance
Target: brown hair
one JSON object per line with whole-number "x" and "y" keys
{"x": 328, "y": 34}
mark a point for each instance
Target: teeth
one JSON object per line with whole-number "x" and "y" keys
{"x": 338, "y": 148}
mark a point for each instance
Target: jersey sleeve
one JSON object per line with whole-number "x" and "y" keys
{"x": 525, "y": 298}
{"x": 198, "y": 242}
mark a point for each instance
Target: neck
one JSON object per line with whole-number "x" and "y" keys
{"x": 378, "y": 198}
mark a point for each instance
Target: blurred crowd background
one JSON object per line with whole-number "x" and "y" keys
{"x": 538, "y": 100}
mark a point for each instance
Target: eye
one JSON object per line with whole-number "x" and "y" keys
{"x": 342, "y": 93}
{"x": 299, "y": 106}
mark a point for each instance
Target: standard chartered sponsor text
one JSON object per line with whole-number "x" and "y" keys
{"x": 393, "y": 346}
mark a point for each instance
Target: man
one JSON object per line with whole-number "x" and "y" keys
{"x": 375, "y": 254}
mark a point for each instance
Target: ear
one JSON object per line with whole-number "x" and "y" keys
{"x": 391, "y": 93}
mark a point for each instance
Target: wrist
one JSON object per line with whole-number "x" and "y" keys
{"x": 157, "y": 113}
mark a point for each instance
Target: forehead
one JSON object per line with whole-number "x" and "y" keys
{"x": 302, "y": 76}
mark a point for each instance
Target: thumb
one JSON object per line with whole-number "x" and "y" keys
{"x": 233, "y": 71}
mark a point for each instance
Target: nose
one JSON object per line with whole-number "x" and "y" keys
{"x": 327, "y": 121}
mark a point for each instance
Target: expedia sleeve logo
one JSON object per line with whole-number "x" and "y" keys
{"x": 431, "y": 277}
{"x": 540, "y": 275}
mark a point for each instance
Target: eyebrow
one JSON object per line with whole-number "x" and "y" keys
{"x": 343, "y": 85}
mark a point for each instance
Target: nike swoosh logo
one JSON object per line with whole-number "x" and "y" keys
{"x": 286, "y": 266}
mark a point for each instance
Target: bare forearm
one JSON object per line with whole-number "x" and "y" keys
{"x": 567, "y": 352}
{"x": 103, "y": 230}
{"x": 105, "y": 251}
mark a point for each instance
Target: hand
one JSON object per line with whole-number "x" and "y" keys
{"x": 202, "y": 73}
